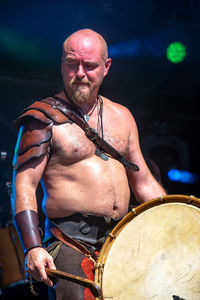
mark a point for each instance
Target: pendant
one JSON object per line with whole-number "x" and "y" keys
{"x": 101, "y": 154}
{"x": 86, "y": 118}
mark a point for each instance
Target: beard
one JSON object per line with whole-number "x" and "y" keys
{"x": 80, "y": 93}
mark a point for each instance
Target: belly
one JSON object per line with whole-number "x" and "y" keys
{"x": 91, "y": 186}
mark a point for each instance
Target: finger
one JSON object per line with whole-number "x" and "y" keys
{"x": 50, "y": 264}
{"x": 35, "y": 274}
{"x": 44, "y": 277}
{"x": 40, "y": 274}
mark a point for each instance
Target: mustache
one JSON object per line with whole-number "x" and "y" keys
{"x": 80, "y": 81}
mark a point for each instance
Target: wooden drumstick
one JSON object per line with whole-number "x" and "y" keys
{"x": 94, "y": 288}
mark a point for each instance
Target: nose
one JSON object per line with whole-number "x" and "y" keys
{"x": 80, "y": 72}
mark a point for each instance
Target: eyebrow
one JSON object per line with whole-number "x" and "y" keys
{"x": 69, "y": 58}
{"x": 93, "y": 63}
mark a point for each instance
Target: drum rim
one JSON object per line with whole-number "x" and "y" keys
{"x": 175, "y": 198}
{"x": 17, "y": 283}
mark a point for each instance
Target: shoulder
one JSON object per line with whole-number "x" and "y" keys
{"x": 118, "y": 110}
{"x": 45, "y": 111}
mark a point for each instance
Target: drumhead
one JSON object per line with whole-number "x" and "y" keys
{"x": 154, "y": 252}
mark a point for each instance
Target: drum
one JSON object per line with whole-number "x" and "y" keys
{"x": 153, "y": 252}
{"x": 11, "y": 258}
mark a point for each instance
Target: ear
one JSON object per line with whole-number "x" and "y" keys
{"x": 107, "y": 66}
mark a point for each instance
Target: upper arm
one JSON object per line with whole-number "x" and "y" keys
{"x": 142, "y": 182}
{"x": 134, "y": 153}
{"x": 29, "y": 162}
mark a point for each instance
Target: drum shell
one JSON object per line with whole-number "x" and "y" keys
{"x": 11, "y": 257}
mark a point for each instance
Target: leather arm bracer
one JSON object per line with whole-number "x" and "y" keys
{"x": 27, "y": 226}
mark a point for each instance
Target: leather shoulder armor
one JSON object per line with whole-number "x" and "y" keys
{"x": 35, "y": 130}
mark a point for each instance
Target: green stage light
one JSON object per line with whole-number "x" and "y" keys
{"x": 176, "y": 52}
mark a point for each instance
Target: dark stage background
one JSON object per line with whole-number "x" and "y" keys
{"x": 163, "y": 96}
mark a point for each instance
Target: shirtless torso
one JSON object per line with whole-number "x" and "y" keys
{"x": 77, "y": 180}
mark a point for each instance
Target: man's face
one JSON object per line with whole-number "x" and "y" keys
{"x": 83, "y": 68}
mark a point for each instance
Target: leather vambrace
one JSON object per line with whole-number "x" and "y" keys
{"x": 26, "y": 223}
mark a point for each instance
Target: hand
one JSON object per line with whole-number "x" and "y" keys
{"x": 37, "y": 260}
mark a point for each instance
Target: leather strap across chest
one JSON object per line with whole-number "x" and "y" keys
{"x": 73, "y": 114}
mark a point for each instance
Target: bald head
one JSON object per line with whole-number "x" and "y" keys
{"x": 88, "y": 36}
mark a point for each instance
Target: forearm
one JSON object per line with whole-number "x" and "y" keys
{"x": 26, "y": 217}
{"x": 25, "y": 183}
{"x": 27, "y": 225}
{"x": 149, "y": 191}
{"x": 23, "y": 197}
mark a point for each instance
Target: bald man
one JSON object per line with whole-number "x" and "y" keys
{"x": 86, "y": 188}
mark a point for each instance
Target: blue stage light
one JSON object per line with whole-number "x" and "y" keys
{"x": 183, "y": 176}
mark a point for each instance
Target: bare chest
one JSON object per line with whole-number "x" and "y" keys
{"x": 71, "y": 145}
